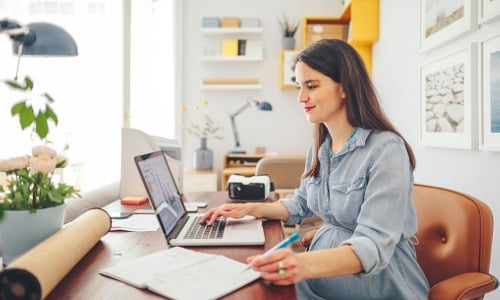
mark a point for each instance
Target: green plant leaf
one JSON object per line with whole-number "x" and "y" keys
{"x": 41, "y": 126}
{"x": 18, "y": 108}
{"x": 50, "y": 114}
{"x": 26, "y": 117}
{"x": 28, "y": 82}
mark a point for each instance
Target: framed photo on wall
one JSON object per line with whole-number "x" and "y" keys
{"x": 447, "y": 89}
{"x": 488, "y": 11}
{"x": 490, "y": 91}
{"x": 444, "y": 20}
{"x": 287, "y": 76}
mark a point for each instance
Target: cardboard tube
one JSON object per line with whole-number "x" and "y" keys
{"x": 39, "y": 270}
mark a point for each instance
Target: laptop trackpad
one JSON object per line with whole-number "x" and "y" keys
{"x": 245, "y": 223}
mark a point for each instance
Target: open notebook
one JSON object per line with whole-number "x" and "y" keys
{"x": 179, "y": 273}
{"x": 181, "y": 228}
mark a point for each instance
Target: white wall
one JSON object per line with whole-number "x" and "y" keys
{"x": 396, "y": 63}
{"x": 285, "y": 129}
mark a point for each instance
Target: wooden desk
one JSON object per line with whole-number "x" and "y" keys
{"x": 85, "y": 282}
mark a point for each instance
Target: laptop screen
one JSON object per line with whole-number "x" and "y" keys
{"x": 162, "y": 190}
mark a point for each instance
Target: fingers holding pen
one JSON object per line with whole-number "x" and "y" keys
{"x": 280, "y": 267}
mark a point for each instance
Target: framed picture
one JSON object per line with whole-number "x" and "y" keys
{"x": 287, "y": 76}
{"x": 444, "y": 20}
{"x": 489, "y": 10}
{"x": 447, "y": 87}
{"x": 489, "y": 112}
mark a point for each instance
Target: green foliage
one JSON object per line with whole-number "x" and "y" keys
{"x": 288, "y": 27}
{"x": 39, "y": 120}
{"x": 29, "y": 191}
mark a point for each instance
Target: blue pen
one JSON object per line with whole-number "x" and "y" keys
{"x": 283, "y": 244}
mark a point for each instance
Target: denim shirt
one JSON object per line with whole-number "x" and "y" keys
{"x": 365, "y": 191}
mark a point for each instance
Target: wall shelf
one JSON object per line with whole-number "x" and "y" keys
{"x": 231, "y": 86}
{"x": 220, "y": 58}
{"x": 225, "y": 31}
{"x": 361, "y": 19}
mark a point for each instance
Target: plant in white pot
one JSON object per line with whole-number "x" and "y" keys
{"x": 32, "y": 204}
{"x": 288, "y": 30}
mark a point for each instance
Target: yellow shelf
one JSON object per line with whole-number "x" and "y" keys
{"x": 360, "y": 22}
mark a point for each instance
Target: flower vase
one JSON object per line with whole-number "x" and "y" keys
{"x": 203, "y": 157}
{"x": 21, "y": 230}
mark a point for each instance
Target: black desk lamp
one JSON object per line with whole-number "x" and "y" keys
{"x": 42, "y": 39}
{"x": 263, "y": 105}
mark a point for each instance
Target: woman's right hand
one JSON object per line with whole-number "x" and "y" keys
{"x": 233, "y": 210}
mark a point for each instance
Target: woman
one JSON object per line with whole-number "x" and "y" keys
{"x": 358, "y": 178}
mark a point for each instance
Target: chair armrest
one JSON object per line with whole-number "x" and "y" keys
{"x": 464, "y": 286}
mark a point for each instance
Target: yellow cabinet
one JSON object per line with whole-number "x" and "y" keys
{"x": 358, "y": 24}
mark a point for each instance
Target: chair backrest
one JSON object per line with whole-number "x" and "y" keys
{"x": 455, "y": 232}
{"x": 284, "y": 170}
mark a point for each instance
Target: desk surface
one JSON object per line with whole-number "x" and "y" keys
{"x": 85, "y": 282}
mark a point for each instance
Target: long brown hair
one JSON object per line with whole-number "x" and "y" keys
{"x": 339, "y": 61}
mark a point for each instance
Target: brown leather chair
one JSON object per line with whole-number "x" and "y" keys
{"x": 284, "y": 170}
{"x": 455, "y": 233}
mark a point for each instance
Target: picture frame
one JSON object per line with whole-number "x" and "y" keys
{"x": 445, "y": 20}
{"x": 488, "y": 11}
{"x": 287, "y": 76}
{"x": 447, "y": 110}
{"x": 489, "y": 110}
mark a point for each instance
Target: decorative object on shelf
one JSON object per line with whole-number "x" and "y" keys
{"x": 288, "y": 30}
{"x": 207, "y": 129}
{"x": 203, "y": 157}
{"x": 31, "y": 190}
{"x": 262, "y": 105}
{"x": 287, "y": 75}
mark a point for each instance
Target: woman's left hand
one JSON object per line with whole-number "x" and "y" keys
{"x": 281, "y": 267}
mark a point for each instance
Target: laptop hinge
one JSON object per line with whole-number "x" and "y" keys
{"x": 179, "y": 226}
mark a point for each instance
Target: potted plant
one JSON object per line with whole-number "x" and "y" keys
{"x": 32, "y": 204}
{"x": 288, "y": 30}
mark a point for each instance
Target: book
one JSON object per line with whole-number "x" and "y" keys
{"x": 179, "y": 273}
{"x": 230, "y": 47}
{"x": 242, "y": 47}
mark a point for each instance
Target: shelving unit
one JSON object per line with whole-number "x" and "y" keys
{"x": 212, "y": 52}
{"x": 360, "y": 18}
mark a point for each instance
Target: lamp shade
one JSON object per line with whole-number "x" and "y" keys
{"x": 49, "y": 39}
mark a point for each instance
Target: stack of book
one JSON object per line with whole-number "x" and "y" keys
{"x": 233, "y": 47}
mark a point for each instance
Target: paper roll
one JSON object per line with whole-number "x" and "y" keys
{"x": 37, "y": 272}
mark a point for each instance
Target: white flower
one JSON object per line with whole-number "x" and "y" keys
{"x": 14, "y": 163}
{"x": 43, "y": 150}
{"x": 43, "y": 164}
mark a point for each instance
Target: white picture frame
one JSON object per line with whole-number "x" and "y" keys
{"x": 489, "y": 109}
{"x": 488, "y": 11}
{"x": 447, "y": 110}
{"x": 287, "y": 76}
{"x": 445, "y": 20}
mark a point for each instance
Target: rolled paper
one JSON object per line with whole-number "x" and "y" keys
{"x": 34, "y": 274}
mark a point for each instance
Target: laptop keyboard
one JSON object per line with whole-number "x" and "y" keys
{"x": 199, "y": 231}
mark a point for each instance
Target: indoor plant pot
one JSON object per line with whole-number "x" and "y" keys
{"x": 22, "y": 230}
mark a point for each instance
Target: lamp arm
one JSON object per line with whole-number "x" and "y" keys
{"x": 243, "y": 108}
{"x": 235, "y": 131}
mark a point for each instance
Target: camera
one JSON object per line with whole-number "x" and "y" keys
{"x": 255, "y": 187}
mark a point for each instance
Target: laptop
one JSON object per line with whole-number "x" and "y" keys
{"x": 176, "y": 224}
